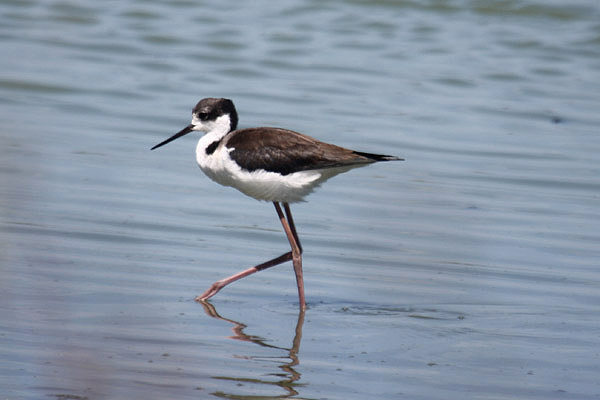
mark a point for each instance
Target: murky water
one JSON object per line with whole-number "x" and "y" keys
{"x": 468, "y": 271}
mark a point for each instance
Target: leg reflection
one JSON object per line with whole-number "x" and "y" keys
{"x": 290, "y": 376}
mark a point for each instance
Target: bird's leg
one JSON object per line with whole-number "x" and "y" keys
{"x": 218, "y": 285}
{"x": 288, "y": 214}
{"x": 295, "y": 255}
{"x": 290, "y": 231}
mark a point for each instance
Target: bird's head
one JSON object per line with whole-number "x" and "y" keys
{"x": 212, "y": 115}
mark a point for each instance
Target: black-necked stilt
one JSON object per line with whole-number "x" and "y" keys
{"x": 270, "y": 164}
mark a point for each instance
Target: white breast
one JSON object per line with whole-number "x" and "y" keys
{"x": 259, "y": 184}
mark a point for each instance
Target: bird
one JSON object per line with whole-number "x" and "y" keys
{"x": 266, "y": 163}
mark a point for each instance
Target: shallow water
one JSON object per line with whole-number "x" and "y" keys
{"x": 468, "y": 271}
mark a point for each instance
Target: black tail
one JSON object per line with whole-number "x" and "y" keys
{"x": 378, "y": 157}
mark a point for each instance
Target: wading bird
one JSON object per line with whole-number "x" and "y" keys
{"x": 265, "y": 163}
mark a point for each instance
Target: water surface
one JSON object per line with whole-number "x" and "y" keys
{"x": 468, "y": 271}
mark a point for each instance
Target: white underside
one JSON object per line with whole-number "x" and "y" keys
{"x": 260, "y": 184}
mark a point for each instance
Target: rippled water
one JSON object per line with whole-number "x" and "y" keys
{"x": 468, "y": 271}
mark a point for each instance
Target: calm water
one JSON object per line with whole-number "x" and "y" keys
{"x": 469, "y": 271}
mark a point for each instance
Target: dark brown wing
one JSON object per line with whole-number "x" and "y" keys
{"x": 285, "y": 152}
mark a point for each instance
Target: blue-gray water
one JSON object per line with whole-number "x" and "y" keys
{"x": 468, "y": 271}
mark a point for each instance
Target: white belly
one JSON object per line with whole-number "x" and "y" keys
{"x": 261, "y": 184}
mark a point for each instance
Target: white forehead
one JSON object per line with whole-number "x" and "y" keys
{"x": 222, "y": 122}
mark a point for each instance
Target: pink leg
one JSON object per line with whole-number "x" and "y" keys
{"x": 218, "y": 285}
{"x": 288, "y": 214}
{"x": 290, "y": 231}
{"x": 295, "y": 255}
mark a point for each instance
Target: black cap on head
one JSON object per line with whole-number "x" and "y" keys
{"x": 212, "y": 108}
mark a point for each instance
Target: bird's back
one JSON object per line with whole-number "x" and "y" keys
{"x": 284, "y": 151}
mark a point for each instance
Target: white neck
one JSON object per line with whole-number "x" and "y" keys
{"x": 215, "y": 131}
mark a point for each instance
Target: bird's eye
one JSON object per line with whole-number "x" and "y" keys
{"x": 203, "y": 116}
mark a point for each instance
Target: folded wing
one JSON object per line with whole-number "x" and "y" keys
{"x": 285, "y": 152}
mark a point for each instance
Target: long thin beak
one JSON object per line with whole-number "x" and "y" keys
{"x": 181, "y": 133}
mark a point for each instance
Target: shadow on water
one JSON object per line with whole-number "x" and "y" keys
{"x": 289, "y": 377}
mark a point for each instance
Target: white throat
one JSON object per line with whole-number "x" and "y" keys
{"x": 215, "y": 131}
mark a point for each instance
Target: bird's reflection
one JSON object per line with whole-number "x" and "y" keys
{"x": 289, "y": 376}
